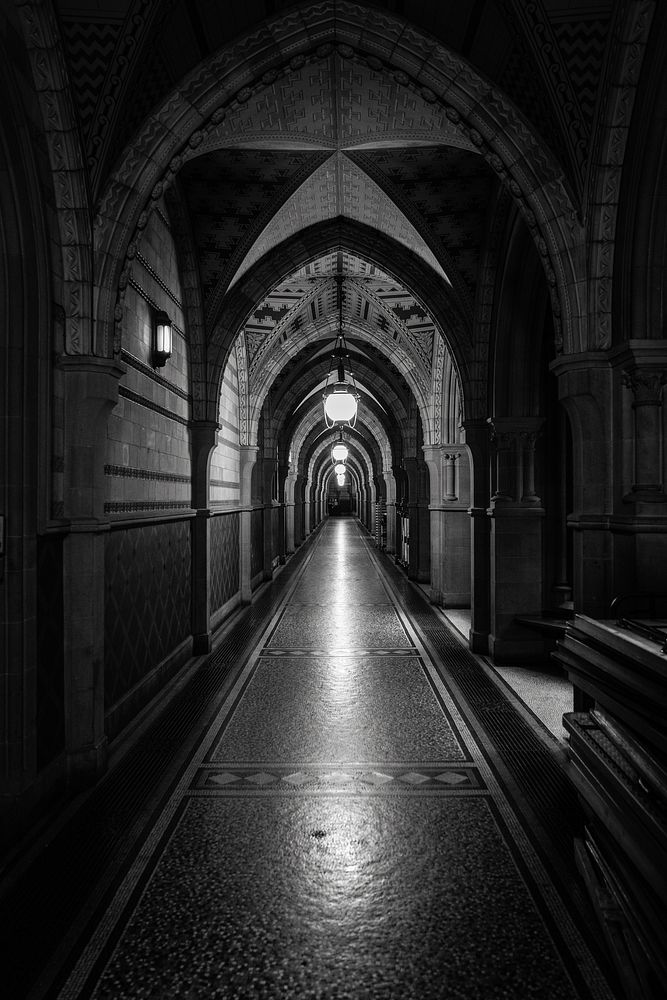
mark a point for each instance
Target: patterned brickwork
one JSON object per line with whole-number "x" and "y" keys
{"x": 224, "y": 558}
{"x": 583, "y": 45}
{"x": 147, "y": 598}
{"x": 89, "y": 47}
{"x": 517, "y": 79}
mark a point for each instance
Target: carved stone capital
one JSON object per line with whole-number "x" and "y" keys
{"x": 646, "y": 384}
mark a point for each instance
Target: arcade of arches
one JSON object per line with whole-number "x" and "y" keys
{"x": 484, "y": 182}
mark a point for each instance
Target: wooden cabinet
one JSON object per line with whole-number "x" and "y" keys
{"x": 618, "y": 763}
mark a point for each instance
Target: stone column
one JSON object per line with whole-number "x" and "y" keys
{"x": 640, "y": 522}
{"x": 412, "y": 477}
{"x": 268, "y": 471}
{"x": 306, "y": 492}
{"x": 517, "y": 519}
{"x": 647, "y": 385}
{"x": 390, "y": 504}
{"x": 91, "y": 392}
{"x": 298, "y": 511}
{"x": 449, "y": 528}
{"x": 204, "y": 437}
{"x": 248, "y": 457}
{"x": 281, "y": 541}
{"x": 585, "y": 388}
{"x": 477, "y": 442}
{"x": 289, "y": 512}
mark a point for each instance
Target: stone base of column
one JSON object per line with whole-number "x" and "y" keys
{"x": 516, "y": 582}
{"x": 479, "y": 642}
{"x": 87, "y": 764}
{"x": 202, "y": 644}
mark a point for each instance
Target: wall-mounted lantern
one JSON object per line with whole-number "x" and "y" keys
{"x": 162, "y": 339}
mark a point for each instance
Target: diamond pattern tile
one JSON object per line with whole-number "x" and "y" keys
{"x": 147, "y": 601}
{"x": 224, "y": 541}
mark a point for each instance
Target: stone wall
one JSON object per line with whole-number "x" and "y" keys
{"x": 224, "y": 482}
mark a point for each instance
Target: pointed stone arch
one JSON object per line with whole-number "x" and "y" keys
{"x": 478, "y": 110}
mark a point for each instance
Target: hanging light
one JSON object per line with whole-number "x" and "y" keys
{"x": 340, "y": 398}
{"x": 162, "y": 337}
{"x": 339, "y": 469}
{"x": 341, "y": 479}
{"x": 339, "y": 451}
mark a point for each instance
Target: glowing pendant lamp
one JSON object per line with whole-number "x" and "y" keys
{"x": 340, "y": 398}
{"x": 340, "y": 452}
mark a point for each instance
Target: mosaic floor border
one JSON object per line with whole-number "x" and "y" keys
{"x": 368, "y": 780}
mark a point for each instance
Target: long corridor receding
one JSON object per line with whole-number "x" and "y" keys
{"x": 340, "y": 830}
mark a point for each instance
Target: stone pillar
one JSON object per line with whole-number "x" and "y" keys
{"x": 449, "y": 527}
{"x": 585, "y": 388}
{"x": 640, "y": 523}
{"x": 248, "y": 457}
{"x": 281, "y": 541}
{"x": 204, "y": 437}
{"x": 563, "y": 585}
{"x": 91, "y": 392}
{"x": 477, "y": 442}
{"x": 517, "y": 519}
{"x": 268, "y": 471}
{"x": 412, "y": 477}
{"x": 647, "y": 385}
{"x": 298, "y": 511}
{"x": 289, "y": 512}
{"x": 390, "y": 503}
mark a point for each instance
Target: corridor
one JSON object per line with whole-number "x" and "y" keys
{"x": 341, "y": 803}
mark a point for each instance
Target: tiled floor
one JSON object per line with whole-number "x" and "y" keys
{"x": 345, "y": 827}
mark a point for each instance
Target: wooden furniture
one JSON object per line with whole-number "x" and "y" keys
{"x": 618, "y": 763}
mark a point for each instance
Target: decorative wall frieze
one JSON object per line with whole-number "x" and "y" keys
{"x": 126, "y": 472}
{"x": 244, "y": 402}
{"x": 147, "y": 506}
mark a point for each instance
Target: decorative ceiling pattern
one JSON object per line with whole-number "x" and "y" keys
{"x": 372, "y": 302}
{"x": 231, "y": 194}
{"x": 125, "y": 56}
{"x": 335, "y": 103}
{"x": 339, "y": 187}
{"x": 447, "y": 190}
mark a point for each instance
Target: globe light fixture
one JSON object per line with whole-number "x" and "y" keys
{"x": 339, "y": 451}
{"x": 340, "y": 397}
{"x": 339, "y": 469}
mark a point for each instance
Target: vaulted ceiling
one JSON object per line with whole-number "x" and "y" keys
{"x": 334, "y": 138}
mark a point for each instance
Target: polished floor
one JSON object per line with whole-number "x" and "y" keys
{"x": 351, "y": 808}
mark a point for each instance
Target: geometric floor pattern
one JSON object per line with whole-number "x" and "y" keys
{"x": 338, "y": 831}
{"x": 360, "y": 814}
